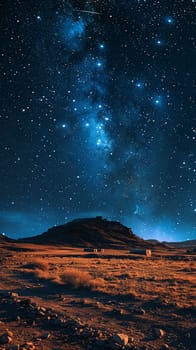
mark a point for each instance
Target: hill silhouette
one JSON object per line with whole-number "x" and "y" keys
{"x": 5, "y": 239}
{"x": 90, "y": 232}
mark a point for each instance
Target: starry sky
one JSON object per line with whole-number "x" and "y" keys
{"x": 97, "y": 115}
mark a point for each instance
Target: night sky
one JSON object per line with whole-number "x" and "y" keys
{"x": 97, "y": 115}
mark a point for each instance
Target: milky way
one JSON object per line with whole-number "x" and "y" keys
{"x": 98, "y": 115}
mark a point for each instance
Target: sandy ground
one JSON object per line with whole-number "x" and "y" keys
{"x": 63, "y": 298}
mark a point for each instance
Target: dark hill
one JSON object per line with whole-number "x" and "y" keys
{"x": 184, "y": 244}
{"x": 90, "y": 232}
{"x": 5, "y": 239}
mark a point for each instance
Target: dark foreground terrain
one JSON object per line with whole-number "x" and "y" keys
{"x": 65, "y": 298}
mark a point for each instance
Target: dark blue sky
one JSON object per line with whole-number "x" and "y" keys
{"x": 98, "y": 115}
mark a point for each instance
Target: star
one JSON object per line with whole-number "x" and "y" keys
{"x": 98, "y": 142}
{"x": 169, "y": 20}
{"x": 157, "y": 101}
{"x": 158, "y": 42}
{"x": 99, "y": 64}
{"x": 139, "y": 84}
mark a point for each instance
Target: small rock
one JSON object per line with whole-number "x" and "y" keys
{"x": 159, "y": 332}
{"x": 120, "y": 338}
{"x": 14, "y": 295}
{"x": 9, "y": 333}
{"x": 121, "y": 312}
{"x": 46, "y": 336}
{"x": 6, "y": 338}
{"x": 99, "y": 334}
{"x": 60, "y": 321}
{"x": 73, "y": 323}
{"x": 28, "y": 346}
{"x": 141, "y": 311}
{"x": 88, "y": 332}
{"x": 43, "y": 309}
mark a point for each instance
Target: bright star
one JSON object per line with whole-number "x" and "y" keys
{"x": 169, "y": 20}
{"x": 158, "y": 42}
{"x": 139, "y": 84}
{"x": 157, "y": 101}
{"x": 99, "y": 64}
{"x": 99, "y": 126}
{"x": 98, "y": 142}
{"x": 63, "y": 125}
{"x": 101, "y": 46}
{"x": 87, "y": 125}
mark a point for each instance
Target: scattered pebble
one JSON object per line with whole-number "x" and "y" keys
{"x": 120, "y": 338}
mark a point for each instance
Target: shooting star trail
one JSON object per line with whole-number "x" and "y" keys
{"x": 89, "y": 12}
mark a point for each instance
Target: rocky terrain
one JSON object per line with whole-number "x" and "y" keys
{"x": 55, "y": 297}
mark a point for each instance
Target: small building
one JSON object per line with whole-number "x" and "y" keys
{"x": 146, "y": 252}
{"x": 90, "y": 250}
{"x": 100, "y": 250}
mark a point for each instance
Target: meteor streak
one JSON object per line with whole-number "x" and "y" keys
{"x": 89, "y": 12}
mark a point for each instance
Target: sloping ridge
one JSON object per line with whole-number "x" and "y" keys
{"x": 183, "y": 244}
{"x": 90, "y": 232}
{"x": 5, "y": 239}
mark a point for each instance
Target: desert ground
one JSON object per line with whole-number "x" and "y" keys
{"x": 64, "y": 298}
